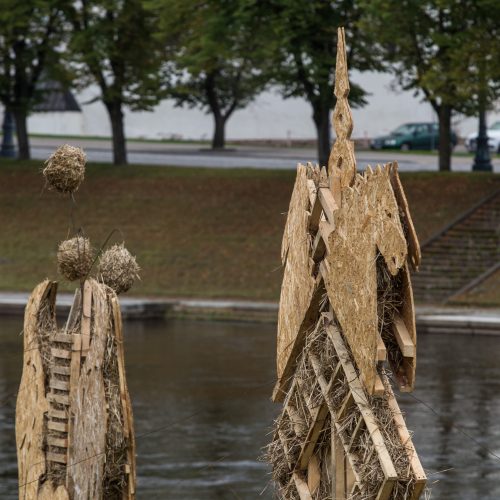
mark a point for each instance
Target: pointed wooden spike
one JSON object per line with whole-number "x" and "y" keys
{"x": 341, "y": 76}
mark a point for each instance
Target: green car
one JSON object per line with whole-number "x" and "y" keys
{"x": 411, "y": 136}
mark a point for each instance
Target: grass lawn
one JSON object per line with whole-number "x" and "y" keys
{"x": 196, "y": 232}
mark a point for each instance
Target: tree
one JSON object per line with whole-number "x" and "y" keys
{"x": 113, "y": 44}
{"x": 305, "y": 44}
{"x": 421, "y": 39}
{"x": 30, "y": 46}
{"x": 476, "y": 69}
{"x": 216, "y": 54}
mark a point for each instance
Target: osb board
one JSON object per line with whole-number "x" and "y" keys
{"x": 298, "y": 283}
{"x": 31, "y": 402}
{"x": 414, "y": 254}
{"x": 88, "y": 433}
{"x": 128, "y": 421}
{"x": 367, "y": 220}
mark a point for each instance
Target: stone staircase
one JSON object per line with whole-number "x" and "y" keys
{"x": 463, "y": 251}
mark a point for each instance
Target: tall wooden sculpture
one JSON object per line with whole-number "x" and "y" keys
{"x": 346, "y": 328}
{"x": 74, "y": 428}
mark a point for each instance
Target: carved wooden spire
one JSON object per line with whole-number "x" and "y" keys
{"x": 342, "y": 163}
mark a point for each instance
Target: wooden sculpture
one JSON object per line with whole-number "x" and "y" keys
{"x": 74, "y": 427}
{"x": 346, "y": 327}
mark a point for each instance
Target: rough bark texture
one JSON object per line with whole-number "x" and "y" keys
{"x": 444, "y": 138}
{"x": 219, "y": 137}
{"x": 321, "y": 117}
{"x": 22, "y": 134}
{"x": 119, "y": 146}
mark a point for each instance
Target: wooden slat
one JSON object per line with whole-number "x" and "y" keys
{"x": 59, "y": 442}
{"x": 313, "y": 474}
{"x": 320, "y": 244}
{"x": 381, "y": 350}
{"x": 315, "y": 217}
{"x": 60, "y": 370}
{"x": 62, "y": 399}
{"x": 312, "y": 436}
{"x": 302, "y": 488}
{"x": 359, "y": 396}
{"x": 340, "y": 479}
{"x": 379, "y": 388}
{"x": 57, "y": 426}
{"x": 62, "y": 385}
{"x": 60, "y": 353}
{"x": 355, "y": 433}
{"x": 312, "y": 191}
{"x": 346, "y": 404}
{"x": 53, "y": 413}
{"x": 62, "y": 337}
{"x": 56, "y": 457}
{"x": 328, "y": 204}
{"x": 403, "y": 338}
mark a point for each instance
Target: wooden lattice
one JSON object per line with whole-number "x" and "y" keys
{"x": 346, "y": 327}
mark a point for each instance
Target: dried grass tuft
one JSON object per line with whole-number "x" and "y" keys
{"x": 75, "y": 257}
{"x": 118, "y": 268}
{"x": 65, "y": 169}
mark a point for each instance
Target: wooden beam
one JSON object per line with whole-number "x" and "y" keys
{"x": 403, "y": 337}
{"x": 302, "y": 488}
{"x": 315, "y": 430}
{"x": 320, "y": 244}
{"x": 328, "y": 204}
{"x": 381, "y": 350}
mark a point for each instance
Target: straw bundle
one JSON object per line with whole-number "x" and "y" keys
{"x": 118, "y": 268}
{"x": 65, "y": 169}
{"x": 75, "y": 257}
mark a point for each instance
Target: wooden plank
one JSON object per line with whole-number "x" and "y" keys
{"x": 86, "y": 313}
{"x": 328, "y": 204}
{"x": 56, "y": 457}
{"x": 57, "y": 426}
{"x": 359, "y": 396}
{"x": 320, "y": 244}
{"x": 404, "y": 435}
{"x": 62, "y": 337}
{"x": 61, "y": 414}
{"x": 62, "y": 385}
{"x": 355, "y": 433}
{"x": 379, "y": 388}
{"x": 315, "y": 217}
{"x": 312, "y": 191}
{"x": 60, "y": 370}
{"x": 340, "y": 479}
{"x": 310, "y": 318}
{"x": 59, "y": 442}
{"x": 315, "y": 430}
{"x": 302, "y": 488}
{"x": 313, "y": 474}
{"x": 346, "y": 404}
{"x": 386, "y": 489}
{"x": 60, "y": 353}
{"x": 381, "y": 350}
{"x": 403, "y": 337}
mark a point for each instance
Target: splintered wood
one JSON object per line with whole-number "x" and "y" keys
{"x": 74, "y": 429}
{"x": 346, "y": 327}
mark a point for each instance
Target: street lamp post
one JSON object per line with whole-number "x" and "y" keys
{"x": 8, "y": 149}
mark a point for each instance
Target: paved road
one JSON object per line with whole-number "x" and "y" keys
{"x": 192, "y": 155}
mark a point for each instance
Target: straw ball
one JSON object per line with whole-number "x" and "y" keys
{"x": 118, "y": 268}
{"x": 65, "y": 169}
{"x": 75, "y": 257}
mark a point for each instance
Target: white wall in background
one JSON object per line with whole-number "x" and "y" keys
{"x": 268, "y": 117}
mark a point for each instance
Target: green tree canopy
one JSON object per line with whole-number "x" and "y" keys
{"x": 113, "y": 45}
{"x": 31, "y": 45}
{"x": 216, "y": 56}
{"x": 304, "y": 40}
{"x": 435, "y": 47}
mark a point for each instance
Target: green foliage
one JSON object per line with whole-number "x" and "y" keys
{"x": 31, "y": 37}
{"x": 438, "y": 46}
{"x": 305, "y": 46}
{"x": 216, "y": 53}
{"x": 113, "y": 45}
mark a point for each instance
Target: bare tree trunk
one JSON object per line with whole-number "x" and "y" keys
{"x": 119, "y": 144}
{"x": 23, "y": 143}
{"x": 444, "y": 138}
{"x": 219, "y": 137}
{"x": 321, "y": 117}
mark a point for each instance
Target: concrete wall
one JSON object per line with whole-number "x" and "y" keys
{"x": 268, "y": 117}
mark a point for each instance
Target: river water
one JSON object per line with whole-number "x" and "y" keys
{"x": 202, "y": 411}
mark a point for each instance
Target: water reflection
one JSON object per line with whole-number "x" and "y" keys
{"x": 202, "y": 410}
